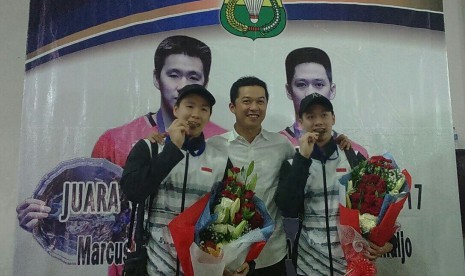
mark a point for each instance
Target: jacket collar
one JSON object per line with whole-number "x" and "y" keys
{"x": 195, "y": 145}
{"x": 324, "y": 153}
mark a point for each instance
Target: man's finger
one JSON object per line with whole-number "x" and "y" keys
{"x": 27, "y": 202}
{"x": 28, "y": 227}
{"x": 35, "y": 215}
{"x": 37, "y": 208}
{"x": 31, "y": 219}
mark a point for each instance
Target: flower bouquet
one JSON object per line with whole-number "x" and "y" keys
{"x": 224, "y": 229}
{"x": 371, "y": 198}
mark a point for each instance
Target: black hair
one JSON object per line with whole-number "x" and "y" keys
{"x": 181, "y": 44}
{"x": 307, "y": 55}
{"x": 246, "y": 81}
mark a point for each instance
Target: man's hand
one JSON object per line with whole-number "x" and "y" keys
{"x": 156, "y": 137}
{"x": 178, "y": 131}
{"x": 241, "y": 271}
{"x": 344, "y": 142}
{"x": 306, "y": 141}
{"x": 30, "y": 211}
{"x": 373, "y": 251}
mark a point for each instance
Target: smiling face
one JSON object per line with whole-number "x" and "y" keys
{"x": 196, "y": 111}
{"x": 318, "y": 119}
{"x": 178, "y": 71}
{"x": 249, "y": 107}
{"x": 309, "y": 78}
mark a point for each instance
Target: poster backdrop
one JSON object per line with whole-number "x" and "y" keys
{"x": 90, "y": 68}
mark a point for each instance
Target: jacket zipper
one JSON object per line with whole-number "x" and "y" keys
{"x": 328, "y": 237}
{"x": 184, "y": 187}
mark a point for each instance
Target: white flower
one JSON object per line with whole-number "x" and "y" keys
{"x": 226, "y": 202}
{"x": 222, "y": 210}
{"x": 367, "y": 222}
{"x": 350, "y": 187}
{"x": 398, "y": 185}
{"x": 223, "y": 228}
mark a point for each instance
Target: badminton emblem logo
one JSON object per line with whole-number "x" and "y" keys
{"x": 253, "y": 18}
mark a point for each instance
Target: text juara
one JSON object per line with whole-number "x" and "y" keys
{"x": 89, "y": 198}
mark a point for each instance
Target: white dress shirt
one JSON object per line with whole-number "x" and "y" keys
{"x": 268, "y": 150}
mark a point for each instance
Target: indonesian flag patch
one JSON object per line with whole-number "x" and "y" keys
{"x": 206, "y": 169}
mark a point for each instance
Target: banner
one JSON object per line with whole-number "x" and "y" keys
{"x": 92, "y": 90}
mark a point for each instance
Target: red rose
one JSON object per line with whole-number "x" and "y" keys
{"x": 369, "y": 190}
{"x": 250, "y": 206}
{"x": 228, "y": 180}
{"x": 228, "y": 194}
{"x": 379, "y": 203}
{"x": 237, "y": 218}
{"x": 380, "y": 181}
{"x": 370, "y": 178}
{"x": 366, "y": 178}
{"x": 355, "y": 199}
{"x": 235, "y": 170}
{"x": 256, "y": 221}
{"x": 381, "y": 187}
{"x": 364, "y": 207}
{"x": 370, "y": 209}
{"x": 373, "y": 210}
{"x": 369, "y": 199}
{"x": 375, "y": 159}
{"x": 362, "y": 186}
{"x": 370, "y": 205}
{"x": 249, "y": 194}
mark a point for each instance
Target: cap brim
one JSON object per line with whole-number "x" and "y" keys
{"x": 316, "y": 101}
{"x": 203, "y": 92}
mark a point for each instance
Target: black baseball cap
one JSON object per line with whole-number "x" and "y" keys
{"x": 196, "y": 89}
{"x": 313, "y": 99}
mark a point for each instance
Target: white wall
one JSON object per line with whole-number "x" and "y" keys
{"x": 13, "y": 25}
{"x": 455, "y": 40}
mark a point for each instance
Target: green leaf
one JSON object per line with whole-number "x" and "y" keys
{"x": 234, "y": 208}
{"x": 247, "y": 214}
{"x": 250, "y": 168}
{"x": 252, "y": 183}
{"x": 239, "y": 229}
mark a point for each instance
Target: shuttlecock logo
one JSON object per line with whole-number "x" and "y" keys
{"x": 253, "y": 18}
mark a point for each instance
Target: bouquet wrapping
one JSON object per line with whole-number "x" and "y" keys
{"x": 371, "y": 198}
{"x": 224, "y": 229}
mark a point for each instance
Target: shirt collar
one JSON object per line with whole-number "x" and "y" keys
{"x": 297, "y": 129}
{"x": 233, "y": 135}
{"x": 159, "y": 120}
